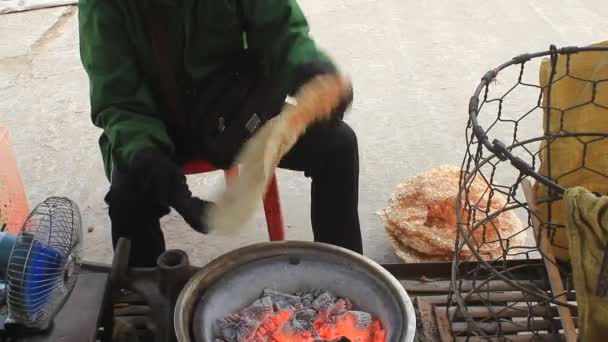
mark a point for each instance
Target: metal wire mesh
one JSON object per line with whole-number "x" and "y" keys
{"x": 44, "y": 263}
{"x": 519, "y": 131}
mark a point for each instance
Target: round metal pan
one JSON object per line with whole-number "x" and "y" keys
{"x": 234, "y": 280}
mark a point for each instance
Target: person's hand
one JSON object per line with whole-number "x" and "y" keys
{"x": 160, "y": 180}
{"x": 344, "y": 106}
{"x": 156, "y": 177}
{"x": 194, "y": 211}
{"x": 308, "y": 71}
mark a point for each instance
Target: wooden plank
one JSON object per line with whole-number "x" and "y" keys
{"x": 511, "y": 296}
{"x": 428, "y": 321}
{"x": 134, "y": 321}
{"x": 555, "y": 278}
{"x": 131, "y": 310}
{"x": 504, "y": 327}
{"x": 129, "y": 298}
{"x": 514, "y": 338}
{"x": 443, "y": 325}
{"x": 466, "y": 286}
{"x": 443, "y": 270}
{"x": 504, "y": 311}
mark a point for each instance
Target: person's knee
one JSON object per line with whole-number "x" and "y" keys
{"x": 121, "y": 193}
{"x": 118, "y": 198}
{"x": 344, "y": 141}
{"x": 327, "y": 148}
{"x": 125, "y": 201}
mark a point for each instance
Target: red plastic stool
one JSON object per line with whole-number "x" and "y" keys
{"x": 272, "y": 202}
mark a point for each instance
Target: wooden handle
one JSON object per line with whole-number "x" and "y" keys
{"x": 544, "y": 246}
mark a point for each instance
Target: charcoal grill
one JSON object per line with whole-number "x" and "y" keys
{"x": 233, "y": 281}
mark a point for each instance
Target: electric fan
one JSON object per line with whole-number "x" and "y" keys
{"x": 40, "y": 265}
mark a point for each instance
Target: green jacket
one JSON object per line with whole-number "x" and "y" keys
{"x": 117, "y": 57}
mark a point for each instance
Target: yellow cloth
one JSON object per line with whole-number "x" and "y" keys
{"x": 588, "y": 233}
{"x": 567, "y": 153}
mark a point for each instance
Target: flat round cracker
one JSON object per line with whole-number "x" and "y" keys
{"x": 422, "y": 216}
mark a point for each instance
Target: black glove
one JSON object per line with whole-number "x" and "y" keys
{"x": 156, "y": 177}
{"x": 194, "y": 211}
{"x": 308, "y": 71}
{"x": 160, "y": 180}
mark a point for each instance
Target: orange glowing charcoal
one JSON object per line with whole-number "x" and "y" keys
{"x": 305, "y": 317}
{"x": 349, "y": 325}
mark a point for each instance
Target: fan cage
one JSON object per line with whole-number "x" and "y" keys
{"x": 509, "y": 297}
{"x": 44, "y": 262}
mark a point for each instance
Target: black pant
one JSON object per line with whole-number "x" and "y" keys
{"x": 327, "y": 153}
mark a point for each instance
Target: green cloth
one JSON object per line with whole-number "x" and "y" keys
{"x": 588, "y": 236}
{"x": 117, "y": 57}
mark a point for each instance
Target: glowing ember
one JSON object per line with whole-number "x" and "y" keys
{"x": 316, "y": 316}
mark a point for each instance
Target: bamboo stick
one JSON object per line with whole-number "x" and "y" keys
{"x": 557, "y": 285}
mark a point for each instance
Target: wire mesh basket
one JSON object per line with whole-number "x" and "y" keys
{"x": 13, "y": 204}
{"x": 530, "y": 135}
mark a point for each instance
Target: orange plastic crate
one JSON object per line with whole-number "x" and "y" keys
{"x": 13, "y": 203}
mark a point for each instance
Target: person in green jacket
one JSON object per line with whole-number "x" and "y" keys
{"x": 143, "y": 148}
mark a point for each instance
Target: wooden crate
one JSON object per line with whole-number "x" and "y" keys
{"x": 500, "y": 310}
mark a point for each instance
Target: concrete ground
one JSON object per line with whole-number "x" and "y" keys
{"x": 414, "y": 65}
